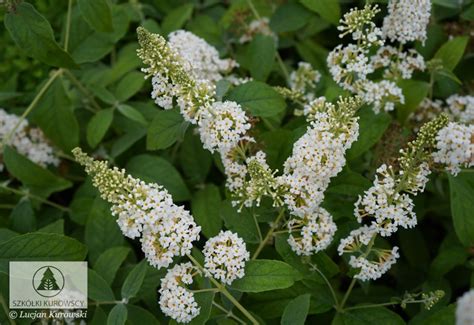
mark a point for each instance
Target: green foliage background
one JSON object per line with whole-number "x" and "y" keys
{"x": 94, "y": 96}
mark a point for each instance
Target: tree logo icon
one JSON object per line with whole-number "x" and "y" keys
{"x": 48, "y": 281}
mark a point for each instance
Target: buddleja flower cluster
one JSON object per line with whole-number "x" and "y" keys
{"x": 317, "y": 156}
{"x": 166, "y": 231}
{"x": 352, "y": 65}
{"x": 458, "y": 108}
{"x": 387, "y": 205}
{"x": 28, "y": 141}
{"x": 465, "y": 309}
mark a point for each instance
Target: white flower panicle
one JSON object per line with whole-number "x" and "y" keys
{"x": 225, "y": 256}
{"x": 304, "y": 80}
{"x": 387, "y": 206}
{"x": 382, "y": 95}
{"x": 198, "y": 57}
{"x": 407, "y": 20}
{"x": 371, "y": 262}
{"x": 145, "y": 210}
{"x": 222, "y": 126}
{"x": 455, "y": 144}
{"x": 461, "y": 108}
{"x": 312, "y": 233}
{"x": 176, "y": 300}
{"x": 358, "y": 23}
{"x": 465, "y": 309}
{"x": 257, "y": 26}
{"x": 319, "y": 154}
{"x": 27, "y": 140}
{"x": 397, "y": 63}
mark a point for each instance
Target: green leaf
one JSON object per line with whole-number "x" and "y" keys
{"x": 446, "y": 315}
{"x": 41, "y": 247}
{"x": 349, "y": 183}
{"x": 97, "y": 288}
{"x": 97, "y": 13}
{"x": 118, "y": 315}
{"x": 134, "y": 280}
{"x": 258, "y": 98}
{"x": 38, "y": 179}
{"x": 22, "y": 217}
{"x": 259, "y": 57}
{"x": 290, "y": 17}
{"x": 34, "y": 35}
{"x": 414, "y": 91}
{"x": 371, "y": 127}
{"x": 165, "y": 129}
{"x": 177, "y": 18}
{"x": 155, "y": 169}
{"x": 102, "y": 231}
{"x": 451, "y": 52}
{"x": 129, "y": 85}
{"x": 329, "y": 10}
{"x": 204, "y": 300}
{"x": 55, "y": 116}
{"x": 296, "y": 311}
{"x": 56, "y": 227}
{"x": 132, "y": 113}
{"x": 109, "y": 262}
{"x": 205, "y": 208}
{"x": 242, "y": 222}
{"x": 98, "y": 126}
{"x": 195, "y": 161}
{"x": 138, "y": 315}
{"x": 369, "y": 316}
{"x": 462, "y": 205}
{"x": 265, "y": 275}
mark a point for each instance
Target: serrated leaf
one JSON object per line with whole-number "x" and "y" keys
{"x": 258, "y": 98}
{"x": 265, "y": 275}
{"x": 34, "y": 35}
{"x": 97, "y": 13}
{"x": 98, "y": 126}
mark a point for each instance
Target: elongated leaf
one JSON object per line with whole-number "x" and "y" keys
{"x": 155, "y": 169}
{"x": 176, "y": 18}
{"x": 204, "y": 300}
{"x": 22, "y": 217}
{"x": 368, "y": 316}
{"x": 132, "y": 113}
{"x": 290, "y": 17}
{"x": 34, "y": 35}
{"x": 41, "y": 247}
{"x": 38, "y": 179}
{"x": 97, "y": 13}
{"x": 265, "y": 275}
{"x": 138, "y": 315}
{"x": 165, "y": 129}
{"x": 414, "y": 91}
{"x": 242, "y": 222}
{"x": 258, "y": 98}
{"x": 260, "y": 56}
{"x": 452, "y": 52}
{"x": 296, "y": 311}
{"x": 97, "y": 288}
{"x": 98, "y": 126}
{"x": 109, "y": 261}
{"x": 205, "y": 207}
{"x": 118, "y": 315}
{"x": 194, "y": 160}
{"x": 462, "y": 205}
{"x": 329, "y": 10}
{"x": 129, "y": 85}
{"x": 134, "y": 280}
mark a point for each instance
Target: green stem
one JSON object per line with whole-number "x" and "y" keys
{"x": 34, "y": 197}
{"x": 260, "y": 237}
{"x": 205, "y": 290}
{"x": 83, "y": 90}
{"x": 334, "y": 296}
{"x": 229, "y": 313}
{"x": 225, "y": 292}
{"x": 348, "y": 292}
{"x": 386, "y": 304}
{"x": 269, "y": 235}
{"x": 68, "y": 25}
{"x": 32, "y": 105}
